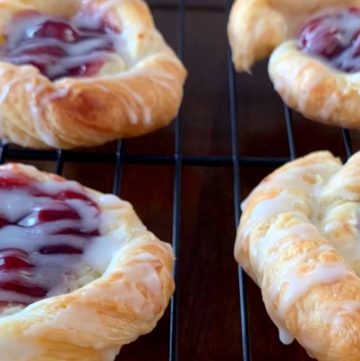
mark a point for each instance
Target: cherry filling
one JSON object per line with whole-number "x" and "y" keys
{"x": 58, "y": 47}
{"x": 334, "y": 37}
{"x": 44, "y": 231}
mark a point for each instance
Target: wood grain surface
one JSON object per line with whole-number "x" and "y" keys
{"x": 209, "y": 314}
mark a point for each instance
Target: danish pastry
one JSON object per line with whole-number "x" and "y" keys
{"x": 80, "y": 275}
{"x": 315, "y": 64}
{"x": 83, "y": 72}
{"x": 299, "y": 241}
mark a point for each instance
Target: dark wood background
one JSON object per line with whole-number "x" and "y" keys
{"x": 209, "y": 320}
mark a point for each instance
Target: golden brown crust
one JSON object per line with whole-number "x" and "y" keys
{"x": 307, "y": 84}
{"x": 313, "y": 88}
{"x": 254, "y": 30}
{"x": 93, "y": 322}
{"x": 136, "y": 93}
{"x": 298, "y": 240}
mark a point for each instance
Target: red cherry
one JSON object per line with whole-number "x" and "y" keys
{"x": 56, "y": 29}
{"x": 354, "y": 10}
{"x": 78, "y": 232}
{"x": 9, "y": 182}
{"x": 328, "y": 37}
{"x": 317, "y": 39}
{"x": 11, "y": 259}
{"x": 44, "y": 56}
{"x": 68, "y": 194}
{"x": 22, "y": 286}
{"x": 60, "y": 249}
{"x": 39, "y": 49}
{"x": 48, "y": 215}
{"x": 16, "y": 266}
{"x": 88, "y": 69}
{"x": 3, "y": 222}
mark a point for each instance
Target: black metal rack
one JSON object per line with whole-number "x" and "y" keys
{"x": 178, "y": 161}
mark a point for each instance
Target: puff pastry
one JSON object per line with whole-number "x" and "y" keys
{"x": 80, "y": 275}
{"x": 311, "y": 82}
{"x": 299, "y": 241}
{"x": 135, "y": 87}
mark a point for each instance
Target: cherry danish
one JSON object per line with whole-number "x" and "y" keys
{"x": 44, "y": 231}
{"x": 335, "y": 38}
{"x": 56, "y": 46}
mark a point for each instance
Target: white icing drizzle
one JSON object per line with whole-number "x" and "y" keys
{"x": 299, "y": 284}
{"x": 285, "y": 337}
{"x": 110, "y": 353}
{"x": 52, "y": 271}
{"x": 284, "y": 74}
{"x": 140, "y": 101}
{"x": 330, "y": 106}
{"x": 76, "y": 52}
{"x": 22, "y": 76}
{"x": 25, "y": 76}
{"x": 283, "y": 202}
{"x": 348, "y": 24}
{"x": 301, "y": 189}
{"x": 42, "y": 95}
{"x": 296, "y": 178}
{"x": 137, "y": 279}
{"x": 12, "y": 350}
{"x": 138, "y": 275}
{"x": 163, "y": 79}
{"x": 100, "y": 252}
{"x": 281, "y": 239}
{"x": 40, "y": 126}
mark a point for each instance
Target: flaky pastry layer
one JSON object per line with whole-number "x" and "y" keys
{"x": 137, "y": 91}
{"x": 257, "y": 27}
{"x": 94, "y": 321}
{"x": 299, "y": 241}
{"x": 318, "y": 91}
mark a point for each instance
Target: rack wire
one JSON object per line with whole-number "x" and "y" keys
{"x": 288, "y": 118}
{"x": 178, "y": 161}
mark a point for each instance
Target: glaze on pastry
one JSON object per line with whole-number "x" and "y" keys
{"x": 57, "y": 47}
{"x": 314, "y": 47}
{"x": 80, "y": 276}
{"x": 299, "y": 241}
{"x": 83, "y": 72}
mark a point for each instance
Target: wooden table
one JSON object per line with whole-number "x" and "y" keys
{"x": 208, "y": 289}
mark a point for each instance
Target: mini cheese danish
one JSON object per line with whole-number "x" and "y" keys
{"x": 314, "y": 47}
{"x": 83, "y": 72}
{"x": 299, "y": 240}
{"x": 80, "y": 275}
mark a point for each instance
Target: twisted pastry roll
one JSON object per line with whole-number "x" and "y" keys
{"x": 83, "y": 72}
{"x": 298, "y": 239}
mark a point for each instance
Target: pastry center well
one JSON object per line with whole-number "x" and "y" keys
{"x": 45, "y": 229}
{"x": 334, "y": 37}
{"x": 58, "y": 47}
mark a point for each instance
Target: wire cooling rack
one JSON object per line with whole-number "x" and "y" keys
{"x": 178, "y": 161}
